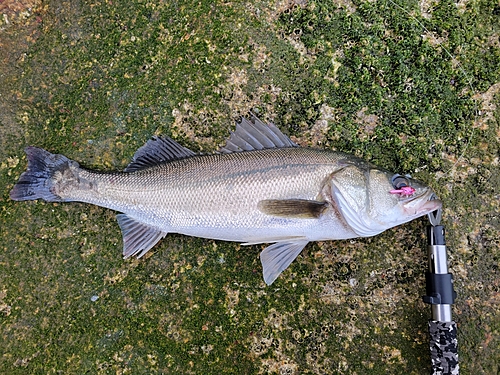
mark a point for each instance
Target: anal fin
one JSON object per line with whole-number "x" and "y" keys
{"x": 138, "y": 238}
{"x": 277, "y": 257}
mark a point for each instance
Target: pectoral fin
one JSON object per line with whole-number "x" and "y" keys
{"x": 293, "y": 208}
{"x": 138, "y": 238}
{"x": 277, "y": 257}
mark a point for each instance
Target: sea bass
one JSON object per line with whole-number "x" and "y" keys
{"x": 259, "y": 188}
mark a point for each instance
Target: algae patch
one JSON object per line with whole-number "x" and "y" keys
{"x": 95, "y": 81}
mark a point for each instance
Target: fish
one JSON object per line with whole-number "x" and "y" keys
{"x": 260, "y": 188}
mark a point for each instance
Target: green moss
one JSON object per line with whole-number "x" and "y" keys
{"x": 95, "y": 81}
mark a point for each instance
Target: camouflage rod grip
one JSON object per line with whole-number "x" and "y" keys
{"x": 443, "y": 345}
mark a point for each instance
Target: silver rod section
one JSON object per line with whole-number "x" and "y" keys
{"x": 438, "y": 262}
{"x": 441, "y": 313}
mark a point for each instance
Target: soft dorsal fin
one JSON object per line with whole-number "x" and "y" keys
{"x": 156, "y": 151}
{"x": 253, "y": 134}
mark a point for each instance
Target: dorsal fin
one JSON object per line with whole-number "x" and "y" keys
{"x": 253, "y": 134}
{"x": 156, "y": 151}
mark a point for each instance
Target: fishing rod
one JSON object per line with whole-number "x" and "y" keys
{"x": 440, "y": 295}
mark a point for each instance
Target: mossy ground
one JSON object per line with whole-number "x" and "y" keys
{"x": 412, "y": 86}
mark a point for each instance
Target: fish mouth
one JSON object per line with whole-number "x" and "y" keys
{"x": 422, "y": 204}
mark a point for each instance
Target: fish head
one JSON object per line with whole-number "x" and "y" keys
{"x": 371, "y": 199}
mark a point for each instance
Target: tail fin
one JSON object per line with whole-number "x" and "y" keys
{"x": 39, "y": 180}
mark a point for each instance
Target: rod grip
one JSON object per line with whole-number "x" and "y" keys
{"x": 444, "y": 348}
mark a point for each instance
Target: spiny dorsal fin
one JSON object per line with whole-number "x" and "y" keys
{"x": 156, "y": 151}
{"x": 253, "y": 134}
{"x": 293, "y": 208}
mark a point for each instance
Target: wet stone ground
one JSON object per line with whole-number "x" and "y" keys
{"x": 411, "y": 86}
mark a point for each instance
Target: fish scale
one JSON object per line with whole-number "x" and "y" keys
{"x": 212, "y": 191}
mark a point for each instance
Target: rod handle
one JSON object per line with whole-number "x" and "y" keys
{"x": 444, "y": 348}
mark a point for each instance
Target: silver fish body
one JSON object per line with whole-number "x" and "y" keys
{"x": 218, "y": 196}
{"x": 261, "y": 188}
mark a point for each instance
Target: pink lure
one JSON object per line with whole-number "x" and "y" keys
{"x": 404, "y": 190}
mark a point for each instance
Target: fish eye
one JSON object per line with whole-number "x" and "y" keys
{"x": 399, "y": 181}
